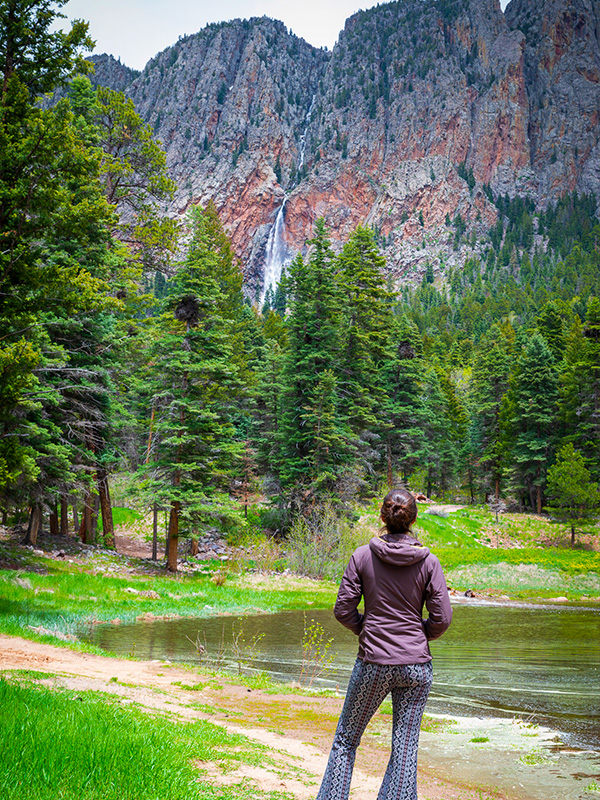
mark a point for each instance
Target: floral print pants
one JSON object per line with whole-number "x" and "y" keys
{"x": 369, "y": 685}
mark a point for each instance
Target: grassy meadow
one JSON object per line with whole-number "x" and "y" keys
{"x": 109, "y": 747}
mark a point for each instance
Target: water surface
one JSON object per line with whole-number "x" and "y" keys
{"x": 538, "y": 663}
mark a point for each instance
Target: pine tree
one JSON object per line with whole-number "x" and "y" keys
{"x": 440, "y": 452}
{"x": 366, "y": 328}
{"x": 551, "y": 325}
{"x": 489, "y": 384}
{"x": 195, "y": 381}
{"x": 580, "y": 389}
{"x": 457, "y": 432}
{"x": 574, "y": 498}
{"x": 535, "y": 397}
{"x": 312, "y": 356}
{"x": 268, "y": 394}
{"x": 54, "y": 225}
{"x": 403, "y": 406}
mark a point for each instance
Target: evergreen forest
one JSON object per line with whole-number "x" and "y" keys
{"x": 129, "y": 346}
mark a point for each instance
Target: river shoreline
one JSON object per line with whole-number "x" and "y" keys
{"x": 300, "y": 723}
{"x": 50, "y": 594}
{"x": 459, "y": 757}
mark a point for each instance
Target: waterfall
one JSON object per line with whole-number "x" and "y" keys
{"x": 303, "y": 137}
{"x": 277, "y": 254}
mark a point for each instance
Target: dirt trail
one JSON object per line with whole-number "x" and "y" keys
{"x": 298, "y": 728}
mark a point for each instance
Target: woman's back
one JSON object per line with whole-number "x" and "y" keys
{"x": 396, "y": 576}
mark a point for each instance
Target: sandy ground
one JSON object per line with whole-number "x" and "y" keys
{"x": 298, "y": 728}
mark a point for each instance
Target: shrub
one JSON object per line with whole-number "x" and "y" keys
{"x": 320, "y": 543}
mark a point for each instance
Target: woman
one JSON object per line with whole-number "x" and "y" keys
{"x": 396, "y": 576}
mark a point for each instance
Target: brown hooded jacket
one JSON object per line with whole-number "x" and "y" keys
{"x": 396, "y": 576}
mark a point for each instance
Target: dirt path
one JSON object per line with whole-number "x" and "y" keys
{"x": 298, "y": 728}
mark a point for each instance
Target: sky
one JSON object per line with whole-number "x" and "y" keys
{"x": 136, "y": 30}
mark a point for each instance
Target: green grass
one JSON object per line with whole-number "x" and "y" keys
{"x": 62, "y": 745}
{"x": 571, "y": 562}
{"x": 452, "y": 531}
{"x": 535, "y": 758}
{"x": 122, "y": 516}
{"x": 69, "y": 596}
{"x": 63, "y": 597}
{"x": 459, "y": 540}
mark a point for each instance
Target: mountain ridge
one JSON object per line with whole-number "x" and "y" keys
{"x": 418, "y": 116}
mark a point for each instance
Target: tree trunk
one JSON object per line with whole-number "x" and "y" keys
{"x": 572, "y": 535}
{"x": 155, "y": 532}
{"x": 173, "y": 537}
{"x": 95, "y": 512}
{"x": 85, "y": 529}
{"x": 108, "y": 528}
{"x": 390, "y": 473}
{"x": 53, "y": 520}
{"x": 35, "y": 520}
{"x": 531, "y": 492}
{"x": 149, "y": 445}
{"x": 4, "y": 516}
{"x": 75, "y": 516}
{"x": 64, "y": 516}
{"x": 539, "y": 499}
{"x": 497, "y": 489}
{"x": 166, "y": 533}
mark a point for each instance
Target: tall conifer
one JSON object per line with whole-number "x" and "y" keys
{"x": 535, "y": 399}
{"x": 580, "y": 389}
{"x": 366, "y": 329}
{"x": 489, "y": 384}
{"x": 312, "y": 358}
{"x": 196, "y": 379}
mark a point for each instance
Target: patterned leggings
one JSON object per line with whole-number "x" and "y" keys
{"x": 368, "y": 687}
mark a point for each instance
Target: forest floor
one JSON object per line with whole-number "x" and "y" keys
{"x": 296, "y": 728}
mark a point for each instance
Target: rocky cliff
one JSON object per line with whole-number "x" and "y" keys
{"x": 109, "y": 71}
{"x": 420, "y": 113}
{"x": 562, "y": 72}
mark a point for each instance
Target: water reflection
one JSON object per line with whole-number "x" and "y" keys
{"x": 541, "y": 663}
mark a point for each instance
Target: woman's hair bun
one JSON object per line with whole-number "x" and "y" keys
{"x": 398, "y": 511}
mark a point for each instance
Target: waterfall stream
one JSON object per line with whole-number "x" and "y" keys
{"x": 277, "y": 253}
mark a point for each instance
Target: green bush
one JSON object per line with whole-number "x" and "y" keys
{"x": 320, "y": 544}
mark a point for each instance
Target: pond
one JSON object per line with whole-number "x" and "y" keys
{"x": 538, "y": 663}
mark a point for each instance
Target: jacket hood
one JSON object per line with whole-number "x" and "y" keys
{"x": 400, "y": 552}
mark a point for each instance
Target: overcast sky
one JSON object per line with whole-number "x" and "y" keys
{"x": 135, "y": 30}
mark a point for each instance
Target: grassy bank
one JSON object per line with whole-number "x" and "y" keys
{"x": 54, "y": 597}
{"x": 522, "y": 556}
{"x": 45, "y": 593}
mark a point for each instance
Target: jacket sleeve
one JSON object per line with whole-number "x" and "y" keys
{"x": 437, "y": 602}
{"x": 349, "y": 595}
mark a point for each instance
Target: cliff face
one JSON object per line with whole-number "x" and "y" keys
{"x": 419, "y": 111}
{"x": 411, "y": 92}
{"x": 109, "y": 71}
{"x": 562, "y": 69}
{"x": 230, "y": 106}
